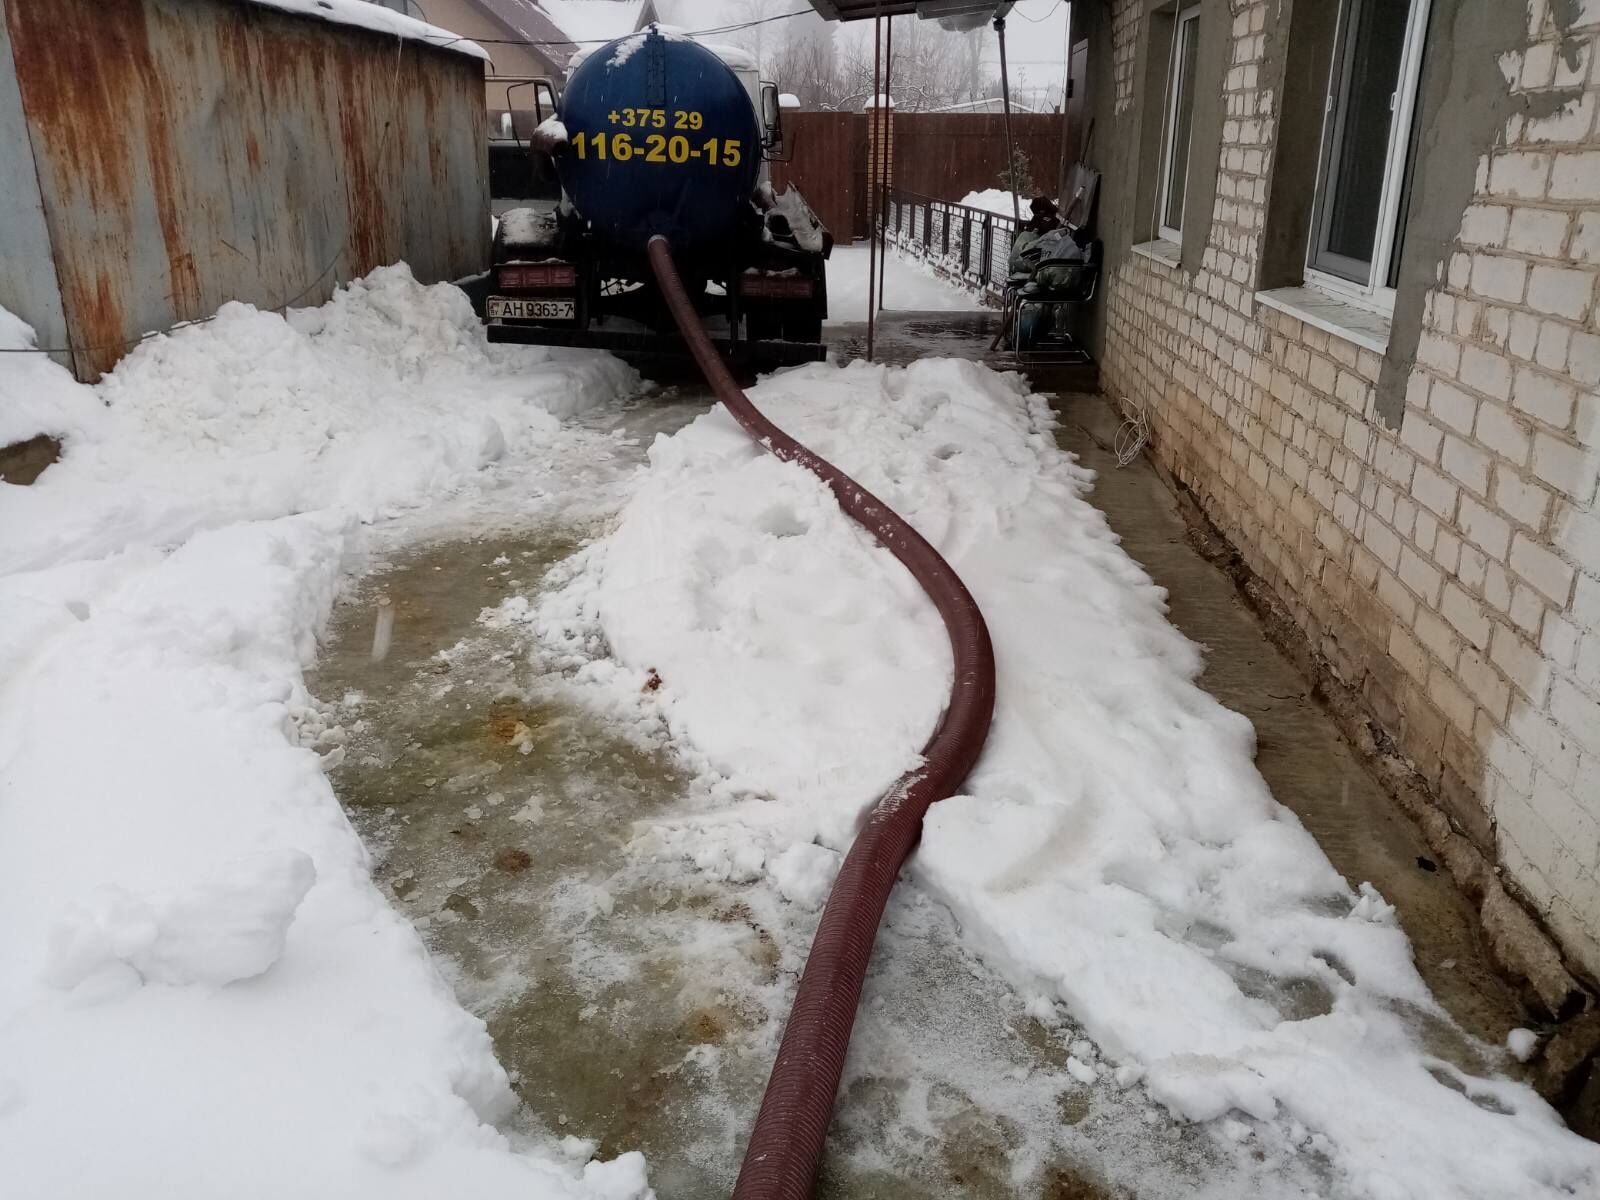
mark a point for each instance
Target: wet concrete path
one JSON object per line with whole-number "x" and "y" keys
{"x": 1305, "y": 760}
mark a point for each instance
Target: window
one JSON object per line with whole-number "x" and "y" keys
{"x": 1366, "y": 148}
{"x": 1179, "y": 123}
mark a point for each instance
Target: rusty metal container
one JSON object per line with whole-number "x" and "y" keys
{"x": 159, "y": 158}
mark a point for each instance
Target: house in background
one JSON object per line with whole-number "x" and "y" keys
{"x": 1352, "y": 252}
{"x": 531, "y": 39}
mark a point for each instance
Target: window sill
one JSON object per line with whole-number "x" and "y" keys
{"x": 1337, "y": 317}
{"x": 1168, "y": 254}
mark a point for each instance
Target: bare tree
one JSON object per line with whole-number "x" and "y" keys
{"x": 804, "y": 61}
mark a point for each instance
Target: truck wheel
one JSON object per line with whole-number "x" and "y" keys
{"x": 803, "y": 326}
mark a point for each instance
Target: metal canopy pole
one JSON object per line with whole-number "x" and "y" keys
{"x": 888, "y": 150}
{"x": 872, "y": 151}
{"x": 1005, "y": 103}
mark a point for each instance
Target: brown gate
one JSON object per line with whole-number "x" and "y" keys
{"x": 820, "y": 147}
{"x": 944, "y": 155}
{"x": 950, "y": 154}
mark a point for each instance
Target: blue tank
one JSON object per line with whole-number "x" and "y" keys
{"x": 662, "y": 138}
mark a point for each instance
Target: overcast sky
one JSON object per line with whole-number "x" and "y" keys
{"x": 1036, "y": 34}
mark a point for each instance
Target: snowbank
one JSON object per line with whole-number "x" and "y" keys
{"x": 382, "y": 399}
{"x": 36, "y": 395}
{"x": 202, "y": 993}
{"x": 996, "y": 201}
{"x": 1117, "y": 851}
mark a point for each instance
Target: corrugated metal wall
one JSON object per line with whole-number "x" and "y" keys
{"x": 27, "y": 275}
{"x": 191, "y": 152}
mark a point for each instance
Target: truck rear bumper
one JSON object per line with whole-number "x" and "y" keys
{"x": 642, "y": 346}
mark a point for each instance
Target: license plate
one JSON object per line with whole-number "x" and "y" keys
{"x": 503, "y": 307}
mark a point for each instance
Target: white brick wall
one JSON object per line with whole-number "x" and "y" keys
{"x": 1449, "y": 569}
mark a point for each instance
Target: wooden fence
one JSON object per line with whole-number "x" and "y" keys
{"x": 945, "y": 155}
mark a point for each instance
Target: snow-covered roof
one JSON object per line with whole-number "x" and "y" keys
{"x": 526, "y": 20}
{"x": 878, "y": 101}
{"x": 788, "y": 100}
{"x": 989, "y": 104}
{"x": 379, "y": 19}
{"x": 594, "y": 22}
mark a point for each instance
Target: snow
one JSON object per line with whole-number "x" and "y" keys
{"x": 909, "y": 285}
{"x": 1522, "y": 1043}
{"x": 788, "y": 100}
{"x": 550, "y": 134}
{"x": 736, "y": 58}
{"x": 365, "y": 15}
{"x": 1115, "y": 850}
{"x": 996, "y": 201}
{"x": 535, "y": 228}
{"x": 376, "y": 402}
{"x": 804, "y": 225}
{"x": 878, "y": 101}
{"x": 227, "y": 929}
{"x": 804, "y": 873}
{"x": 36, "y": 395}
{"x": 203, "y": 993}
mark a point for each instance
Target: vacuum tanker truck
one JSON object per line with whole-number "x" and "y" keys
{"x": 659, "y": 134}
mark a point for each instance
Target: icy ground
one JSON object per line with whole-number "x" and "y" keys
{"x": 204, "y": 993}
{"x": 909, "y": 286}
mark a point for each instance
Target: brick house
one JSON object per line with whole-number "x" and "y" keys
{"x": 1352, "y": 250}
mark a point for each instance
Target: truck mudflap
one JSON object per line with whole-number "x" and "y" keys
{"x": 640, "y": 345}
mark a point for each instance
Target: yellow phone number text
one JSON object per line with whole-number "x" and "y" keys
{"x": 658, "y": 148}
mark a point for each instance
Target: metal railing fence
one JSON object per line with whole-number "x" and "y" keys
{"x": 969, "y": 245}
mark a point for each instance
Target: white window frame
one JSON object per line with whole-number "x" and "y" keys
{"x": 1375, "y": 294}
{"x": 1175, "y": 89}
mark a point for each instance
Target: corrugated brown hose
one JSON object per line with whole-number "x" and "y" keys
{"x": 786, "y": 1145}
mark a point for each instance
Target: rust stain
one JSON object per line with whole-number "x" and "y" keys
{"x": 254, "y": 141}
{"x": 76, "y": 97}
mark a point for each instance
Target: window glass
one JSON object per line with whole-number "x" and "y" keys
{"x": 1379, "y": 35}
{"x": 1180, "y": 119}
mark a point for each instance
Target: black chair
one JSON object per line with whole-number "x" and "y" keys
{"x": 1037, "y": 308}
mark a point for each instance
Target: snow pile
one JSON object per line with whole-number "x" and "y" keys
{"x": 383, "y": 398}
{"x": 225, "y": 930}
{"x": 1117, "y": 850}
{"x": 996, "y": 201}
{"x": 202, "y": 992}
{"x": 36, "y": 395}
